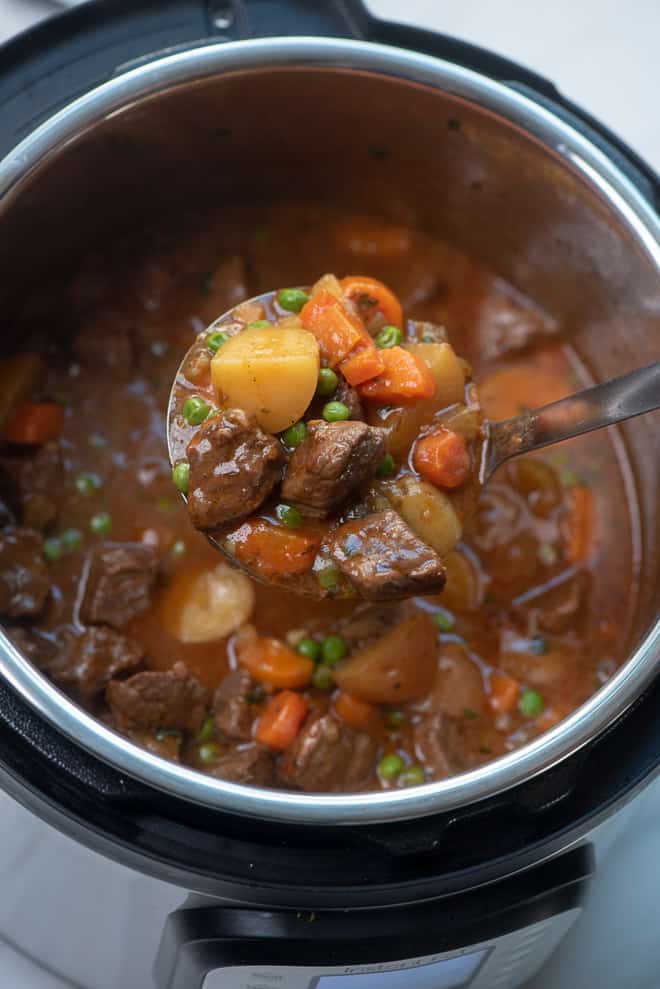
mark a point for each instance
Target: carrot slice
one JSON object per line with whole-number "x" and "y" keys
{"x": 504, "y": 693}
{"x": 363, "y": 365}
{"x": 406, "y": 378}
{"x": 442, "y": 457}
{"x": 354, "y": 712}
{"x": 35, "y": 423}
{"x": 369, "y": 296}
{"x": 337, "y": 331}
{"x": 281, "y": 719}
{"x": 273, "y": 550}
{"x": 580, "y": 524}
{"x": 271, "y": 661}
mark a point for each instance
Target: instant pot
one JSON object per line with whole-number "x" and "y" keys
{"x": 117, "y": 112}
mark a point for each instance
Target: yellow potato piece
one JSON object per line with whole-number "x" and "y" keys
{"x": 210, "y": 605}
{"x": 428, "y": 511}
{"x": 270, "y": 372}
{"x": 445, "y": 367}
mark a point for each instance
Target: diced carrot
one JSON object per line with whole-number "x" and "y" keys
{"x": 504, "y": 693}
{"x": 34, "y": 423}
{"x": 354, "y": 712}
{"x": 281, "y": 719}
{"x": 273, "y": 550}
{"x": 580, "y": 524}
{"x": 20, "y": 375}
{"x": 370, "y": 296}
{"x": 406, "y": 378}
{"x": 373, "y": 238}
{"x": 338, "y": 332}
{"x": 362, "y": 365}
{"x": 442, "y": 457}
{"x": 272, "y": 661}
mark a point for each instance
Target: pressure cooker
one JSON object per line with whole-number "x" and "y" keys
{"x": 119, "y": 110}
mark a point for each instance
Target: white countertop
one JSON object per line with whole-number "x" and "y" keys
{"x": 604, "y": 56}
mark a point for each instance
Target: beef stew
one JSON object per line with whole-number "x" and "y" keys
{"x": 106, "y": 587}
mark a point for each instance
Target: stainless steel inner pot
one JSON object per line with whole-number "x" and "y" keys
{"x": 515, "y": 187}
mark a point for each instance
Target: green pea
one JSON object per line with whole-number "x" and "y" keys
{"x": 538, "y": 645}
{"x": 547, "y": 554}
{"x": 389, "y": 336}
{"x": 412, "y": 776}
{"x": 444, "y": 621}
{"x": 336, "y": 412}
{"x": 97, "y": 441}
{"x": 207, "y": 731}
{"x": 215, "y": 340}
{"x": 531, "y": 703}
{"x": 71, "y": 540}
{"x": 333, "y": 648}
{"x": 309, "y": 648}
{"x": 390, "y": 766}
{"x": 181, "y": 476}
{"x": 387, "y": 466}
{"x": 394, "y": 720}
{"x": 328, "y": 578}
{"x": 292, "y": 299}
{"x": 327, "y": 382}
{"x": 322, "y": 677}
{"x": 294, "y": 435}
{"x": 195, "y": 410}
{"x": 288, "y": 516}
{"x": 88, "y": 484}
{"x": 209, "y": 752}
{"x": 259, "y": 324}
{"x": 178, "y": 549}
{"x": 101, "y": 524}
{"x": 53, "y": 550}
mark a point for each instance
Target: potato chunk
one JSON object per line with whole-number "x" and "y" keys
{"x": 270, "y": 372}
{"x": 446, "y": 369}
{"x": 208, "y": 605}
{"x": 400, "y": 666}
{"x": 428, "y": 511}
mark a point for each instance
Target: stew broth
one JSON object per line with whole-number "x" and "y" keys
{"x": 540, "y": 592}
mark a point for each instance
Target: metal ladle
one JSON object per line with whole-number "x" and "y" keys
{"x": 605, "y": 404}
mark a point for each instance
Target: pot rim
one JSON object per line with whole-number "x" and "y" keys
{"x": 584, "y": 724}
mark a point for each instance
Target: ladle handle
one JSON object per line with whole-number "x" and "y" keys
{"x": 613, "y": 401}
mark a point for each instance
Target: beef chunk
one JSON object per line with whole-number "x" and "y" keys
{"x": 234, "y": 466}
{"x": 119, "y": 583}
{"x": 35, "y": 646}
{"x": 333, "y": 460}
{"x": 84, "y": 664}
{"x": 368, "y": 623}
{"x": 24, "y": 581}
{"x": 233, "y": 712}
{"x": 327, "y": 756}
{"x": 557, "y": 608}
{"x": 246, "y": 764}
{"x": 506, "y": 323}
{"x": 346, "y": 394}
{"x": 173, "y": 699}
{"x": 384, "y": 559}
{"x": 438, "y": 744}
{"x": 37, "y": 484}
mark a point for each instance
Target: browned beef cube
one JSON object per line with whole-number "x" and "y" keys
{"x": 85, "y": 664}
{"x": 24, "y": 580}
{"x": 348, "y": 395}
{"x": 384, "y": 559}
{"x": 233, "y": 712}
{"x": 250, "y": 763}
{"x": 40, "y": 649}
{"x": 119, "y": 584}
{"x": 327, "y": 757}
{"x": 173, "y": 699}
{"x": 234, "y": 466}
{"x": 334, "y": 459}
{"x": 438, "y": 743}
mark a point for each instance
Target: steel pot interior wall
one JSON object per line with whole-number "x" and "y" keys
{"x": 368, "y": 141}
